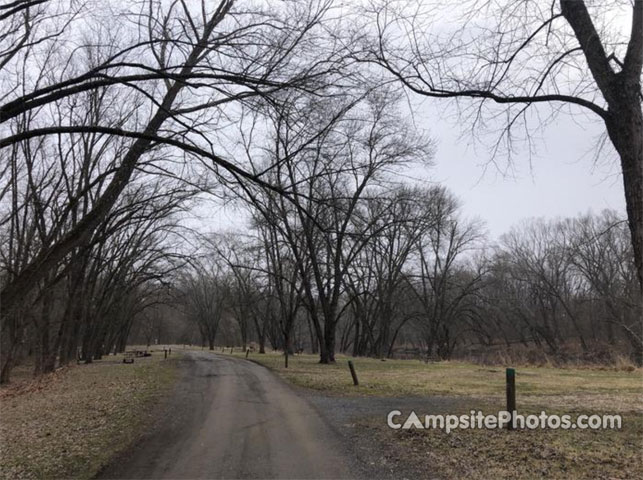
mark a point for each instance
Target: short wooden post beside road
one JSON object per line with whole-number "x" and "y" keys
{"x": 247, "y": 352}
{"x": 353, "y": 374}
{"x": 165, "y": 352}
{"x": 511, "y": 396}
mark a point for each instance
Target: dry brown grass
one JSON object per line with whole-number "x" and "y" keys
{"x": 484, "y": 454}
{"x": 68, "y": 424}
{"x": 599, "y": 388}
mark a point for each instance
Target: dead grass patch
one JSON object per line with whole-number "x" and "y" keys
{"x": 598, "y": 389}
{"x": 484, "y": 454}
{"x": 68, "y": 424}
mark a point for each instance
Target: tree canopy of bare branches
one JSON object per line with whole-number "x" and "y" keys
{"x": 507, "y": 58}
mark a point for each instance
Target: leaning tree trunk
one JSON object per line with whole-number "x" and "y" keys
{"x": 625, "y": 128}
{"x": 623, "y": 118}
{"x": 14, "y": 292}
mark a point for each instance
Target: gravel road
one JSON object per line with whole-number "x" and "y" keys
{"x": 230, "y": 418}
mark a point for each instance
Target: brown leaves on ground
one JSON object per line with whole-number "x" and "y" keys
{"x": 69, "y": 423}
{"x": 23, "y": 385}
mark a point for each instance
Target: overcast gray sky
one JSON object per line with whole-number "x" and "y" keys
{"x": 562, "y": 181}
{"x": 563, "y": 178}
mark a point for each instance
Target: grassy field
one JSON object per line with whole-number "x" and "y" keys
{"x": 69, "y": 423}
{"x": 481, "y": 454}
{"x": 610, "y": 389}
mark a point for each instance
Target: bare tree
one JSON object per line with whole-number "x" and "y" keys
{"x": 522, "y": 54}
{"x": 600, "y": 252}
{"x": 377, "y": 282}
{"x": 539, "y": 256}
{"x": 567, "y": 287}
{"x": 332, "y": 155}
{"x": 204, "y": 295}
{"x": 185, "y": 63}
{"x": 440, "y": 281}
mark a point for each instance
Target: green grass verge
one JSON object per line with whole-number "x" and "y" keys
{"x": 69, "y": 424}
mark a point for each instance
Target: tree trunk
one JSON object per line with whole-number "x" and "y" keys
{"x": 356, "y": 338}
{"x": 15, "y": 291}
{"x": 314, "y": 342}
{"x": 5, "y": 371}
{"x": 625, "y": 128}
{"x": 42, "y": 334}
{"x": 624, "y": 118}
{"x": 327, "y": 346}
{"x": 286, "y": 348}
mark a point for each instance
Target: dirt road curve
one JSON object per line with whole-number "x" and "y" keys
{"x": 230, "y": 418}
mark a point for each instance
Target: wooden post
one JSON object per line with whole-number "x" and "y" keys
{"x": 353, "y": 374}
{"x": 247, "y": 352}
{"x": 231, "y": 349}
{"x": 511, "y": 396}
{"x": 165, "y": 352}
